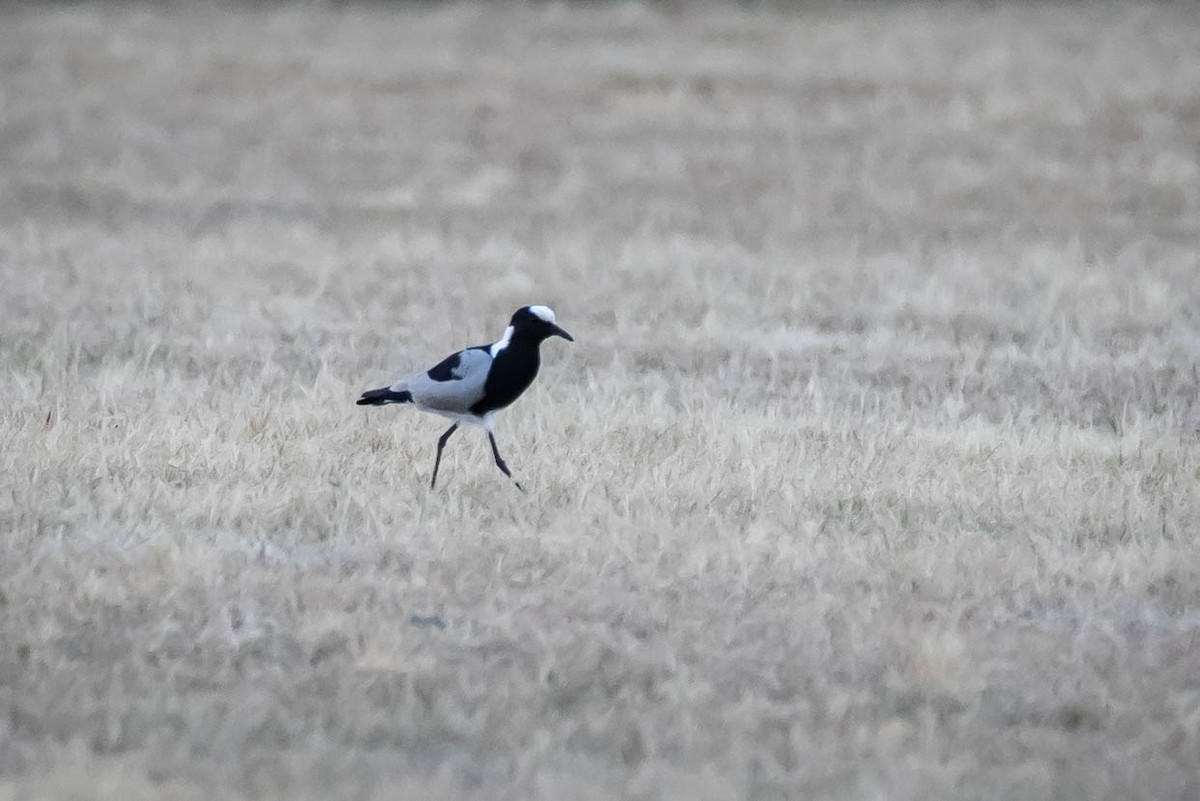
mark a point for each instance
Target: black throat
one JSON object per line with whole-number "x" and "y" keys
{"x": 513, "y": 370}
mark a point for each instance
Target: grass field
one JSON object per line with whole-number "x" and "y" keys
{"x": 874, "y": 471}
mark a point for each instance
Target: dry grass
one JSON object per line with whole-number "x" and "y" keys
{"x": 873, "y": 473}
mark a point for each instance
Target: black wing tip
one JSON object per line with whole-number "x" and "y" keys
{"x": 378, "y": 397}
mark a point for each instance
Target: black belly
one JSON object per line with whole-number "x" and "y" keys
{"x": 511, "y": 374}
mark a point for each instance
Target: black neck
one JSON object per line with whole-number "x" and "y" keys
{"x": 511, "y": 373}
{"x": 526, "y": 338}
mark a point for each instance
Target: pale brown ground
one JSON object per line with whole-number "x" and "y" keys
{"x": 873, "y": 473}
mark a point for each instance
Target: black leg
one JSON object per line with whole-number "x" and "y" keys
{"x": 500, "y": 462}
{"x": 441, "y": 444}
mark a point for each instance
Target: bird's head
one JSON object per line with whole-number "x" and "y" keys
{"x": 537, "y": 322}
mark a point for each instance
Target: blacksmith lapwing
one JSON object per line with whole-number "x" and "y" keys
{"x": 472, "y": 385}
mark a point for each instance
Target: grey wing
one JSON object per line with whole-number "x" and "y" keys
{"x": 454, "y": 385}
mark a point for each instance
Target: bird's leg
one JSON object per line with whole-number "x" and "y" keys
{"x": 500, "y": 462}
{"x": 441, "y": 444}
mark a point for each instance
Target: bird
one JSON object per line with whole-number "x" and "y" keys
{"x": 472, "y": 385}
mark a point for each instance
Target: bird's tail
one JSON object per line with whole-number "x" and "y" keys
{"x": 378, "y": 397}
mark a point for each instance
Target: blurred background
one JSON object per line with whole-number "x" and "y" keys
{"x": 841, "y": 151}
{"x": 872, "y": 472}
